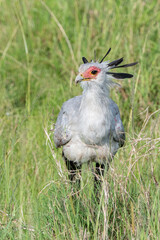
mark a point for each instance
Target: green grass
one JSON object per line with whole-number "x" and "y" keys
{"x": 41, "y": 45}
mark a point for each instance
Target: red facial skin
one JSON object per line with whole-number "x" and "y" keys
{"x": 88, "y": 73}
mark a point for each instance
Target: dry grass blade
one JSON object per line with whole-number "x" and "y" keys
{"x": 49, "y": 143}
{"x": 62, "y": 30}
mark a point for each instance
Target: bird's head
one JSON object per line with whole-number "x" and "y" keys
{"x": 98, "y": 72}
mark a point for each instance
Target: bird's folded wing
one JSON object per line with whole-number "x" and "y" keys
{"x": 118, "y": 131}
{"x": 67, "y": 116}
{"x": 61, "y": 134}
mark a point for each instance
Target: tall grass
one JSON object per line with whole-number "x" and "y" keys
{"x": 41, "y": 45}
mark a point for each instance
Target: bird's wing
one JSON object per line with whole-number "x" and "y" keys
{"x": 118, "y": 129}
{"x": 66, "y": 118}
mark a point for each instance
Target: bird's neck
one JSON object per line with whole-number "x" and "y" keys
{"x": 93, "y": 113}
{"x": 96, "y": 90}
{"x": 94, "y": 95}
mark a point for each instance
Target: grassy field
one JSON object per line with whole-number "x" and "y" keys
{"x": 41, "y": 45}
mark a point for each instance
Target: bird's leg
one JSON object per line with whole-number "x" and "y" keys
{"x": 73, "y": 168}
{"x": 99, "y": 173}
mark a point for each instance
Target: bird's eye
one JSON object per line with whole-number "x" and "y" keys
{"x": 94, "y": 72}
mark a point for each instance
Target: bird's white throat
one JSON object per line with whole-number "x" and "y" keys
{"x": 93, "y": 115}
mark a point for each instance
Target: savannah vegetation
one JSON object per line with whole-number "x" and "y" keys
{"x": 41, "y": 45}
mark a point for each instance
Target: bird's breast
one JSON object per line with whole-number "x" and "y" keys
{"x": 93, "y": 126}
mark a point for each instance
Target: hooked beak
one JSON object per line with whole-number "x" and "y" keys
{"x": 80, "y": 78}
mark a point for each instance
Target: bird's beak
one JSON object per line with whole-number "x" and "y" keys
{"x": 79, "y": 78}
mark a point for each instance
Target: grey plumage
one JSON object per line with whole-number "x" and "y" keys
{"x": 69, "y": 134}
{"x": 89, "y": 127}
{"x": 62, "y": 133}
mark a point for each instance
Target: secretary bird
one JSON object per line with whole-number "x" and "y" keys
{"x": 89, "y": 127}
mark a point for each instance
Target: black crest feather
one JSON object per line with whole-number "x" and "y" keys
{"x": 105, "y": 55}
{"x": 120, "y": 75}
{"x": 126, "y": 65}
{"x": 115, "y": 62}
{"x": 84, "y": 60}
